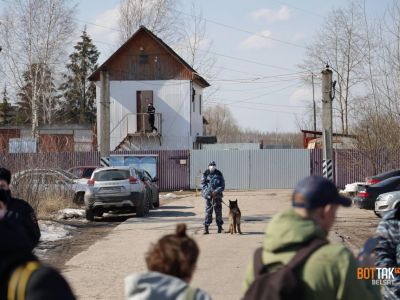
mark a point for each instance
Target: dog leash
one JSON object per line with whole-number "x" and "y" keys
{"x": 213, "y": 202}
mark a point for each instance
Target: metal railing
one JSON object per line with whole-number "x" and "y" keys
{"x": 133, "y": 123}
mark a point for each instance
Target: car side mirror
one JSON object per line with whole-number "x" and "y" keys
{"x": 155, "y": 179}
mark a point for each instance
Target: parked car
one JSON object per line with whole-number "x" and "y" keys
{"x": 51, "y": 180}
{"x": 371, "y": 180}
{"x": 151, "y": 186}
{"x": 83, "y": 171}
{"x": 117, "y": 189}
{"x": 386, "y": 202}
{"x": 368, "y": 194}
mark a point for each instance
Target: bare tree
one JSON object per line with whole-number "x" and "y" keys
{"x": 35, "y": 32}
{"x": 160, "y": 16}
{"x": 340, "y": 44}
{"x": 195, "y": 45}
{"x": 196, "y": 49}
{"x": 221, "y": 123}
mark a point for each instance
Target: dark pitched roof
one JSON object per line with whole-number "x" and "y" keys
{"x": 196, "y": 76}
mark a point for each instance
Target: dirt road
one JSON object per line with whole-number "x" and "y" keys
{"x": 98, "y": 272}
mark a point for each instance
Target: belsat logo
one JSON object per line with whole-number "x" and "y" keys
{"x": 378, "y": 276}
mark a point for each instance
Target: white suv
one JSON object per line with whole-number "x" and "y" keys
{"x": 116, "y": 189}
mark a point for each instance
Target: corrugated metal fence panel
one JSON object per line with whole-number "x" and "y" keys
{"x": 354, "y": 165}
{"x": 233, "y": 164}
{"x": 231, "y": 146}
{"x": 278, "y": 168}
{"x": 171, "y": 173}
{"x": 22, "y": 161}
{"x": 316, "y": 162}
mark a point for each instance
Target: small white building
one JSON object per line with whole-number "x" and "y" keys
{"x": 146, "y": 70}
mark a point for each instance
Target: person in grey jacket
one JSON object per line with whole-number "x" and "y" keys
{"x": 388, "y": 250}
{"x": 171, "y": 263}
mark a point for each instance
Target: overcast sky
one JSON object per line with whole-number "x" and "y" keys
{"x": 260, "y": 80}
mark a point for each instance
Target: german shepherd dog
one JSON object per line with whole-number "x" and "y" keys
{"x": 234, "y": 217}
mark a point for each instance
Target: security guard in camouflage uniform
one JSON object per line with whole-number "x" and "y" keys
{"x": 388, "y": 250}
{"x": 213, "y": 184}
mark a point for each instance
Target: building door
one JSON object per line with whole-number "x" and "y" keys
{"x": 143, "y": 99}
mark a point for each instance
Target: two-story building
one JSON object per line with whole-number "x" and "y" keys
{"x": 146, "y": 70}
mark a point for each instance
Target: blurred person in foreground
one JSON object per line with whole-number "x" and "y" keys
{"x": 171, "y": 263}
{"x": 388, "y": 250}
{"x": 20, "y": 210}
{"x": 330, "y": 271}
{"x": 22, "y": 276}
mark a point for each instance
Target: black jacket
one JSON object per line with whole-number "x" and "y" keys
{"x": 16, "y": 249}
{"x": 24, "y": 214}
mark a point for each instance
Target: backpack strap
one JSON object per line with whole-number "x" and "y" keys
{"x": 258, "y": 264}
{"x": 190, "y": 293}
{"x": 302, "y": 255}
{"x": 19, "y": 280}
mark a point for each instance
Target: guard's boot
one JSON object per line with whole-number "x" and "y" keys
{"x": 220, "y": 229}
{"x": 205, "y": 230}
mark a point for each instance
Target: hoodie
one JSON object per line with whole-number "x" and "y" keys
{"x": 16, "y": 248}
{"x": 158, "y": 286}
{"x": 329, "y": 273}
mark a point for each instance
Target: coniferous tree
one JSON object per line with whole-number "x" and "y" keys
{"x": 38, "y": 79}
{"x": 79, "y": 103}
{"x": 5, "y": 109}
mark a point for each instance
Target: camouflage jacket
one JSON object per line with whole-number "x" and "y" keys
{"x": 388, "y": 250}
{"x": 212, "y": 182}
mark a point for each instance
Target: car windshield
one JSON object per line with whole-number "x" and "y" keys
{"x": 68, "y": 174}
{"x": 387, "y": 182}
{"x": 87, "y": 173}
{"x": 111, "y": 175}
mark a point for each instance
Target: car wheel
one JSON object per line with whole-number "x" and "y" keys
{"x": 141, "y": 207}
{"x": 157, "y": 202}
{"x": 79, "y": 198}
{"x": 147, "y": 203}
{"x": 89, "y": 215}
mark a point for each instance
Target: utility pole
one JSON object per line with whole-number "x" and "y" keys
{"x": 327, "y": 98}
{"x": 314, "y": 106}
{"x": 104, "y": 114}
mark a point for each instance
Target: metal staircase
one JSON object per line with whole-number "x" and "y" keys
{"x": 133, "y": 133}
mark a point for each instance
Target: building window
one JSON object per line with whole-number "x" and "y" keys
{"x": 200, "y": 104}
{"x": 143, "y": 59}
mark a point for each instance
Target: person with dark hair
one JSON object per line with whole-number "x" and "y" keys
{"x": 151, "y": 112}
{"x": 387, "y": 250}
{"x": 213, "y": 185}
{"x": 171, "y": 263}
{"x": 19, "y": 209}
{"x": 327, "y": 271}
{"x": 22, "y": 276}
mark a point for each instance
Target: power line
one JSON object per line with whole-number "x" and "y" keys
{"x": 300, "y": 9}
{"x": 269, "y": 110}
{"x": 94, "y": 24}
{"x": 266, "y": 104}
{"x": 262, "y": 95}
{"x": 244, "y": 31}
{"x": 248, "y": 60}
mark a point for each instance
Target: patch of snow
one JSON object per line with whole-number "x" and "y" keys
{"x": 70, "y": 213}
{"x": 169, "y": 196}
{"x": 53, "y": 231}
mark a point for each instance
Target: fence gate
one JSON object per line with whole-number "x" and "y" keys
{"x": 253, "y": 169}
